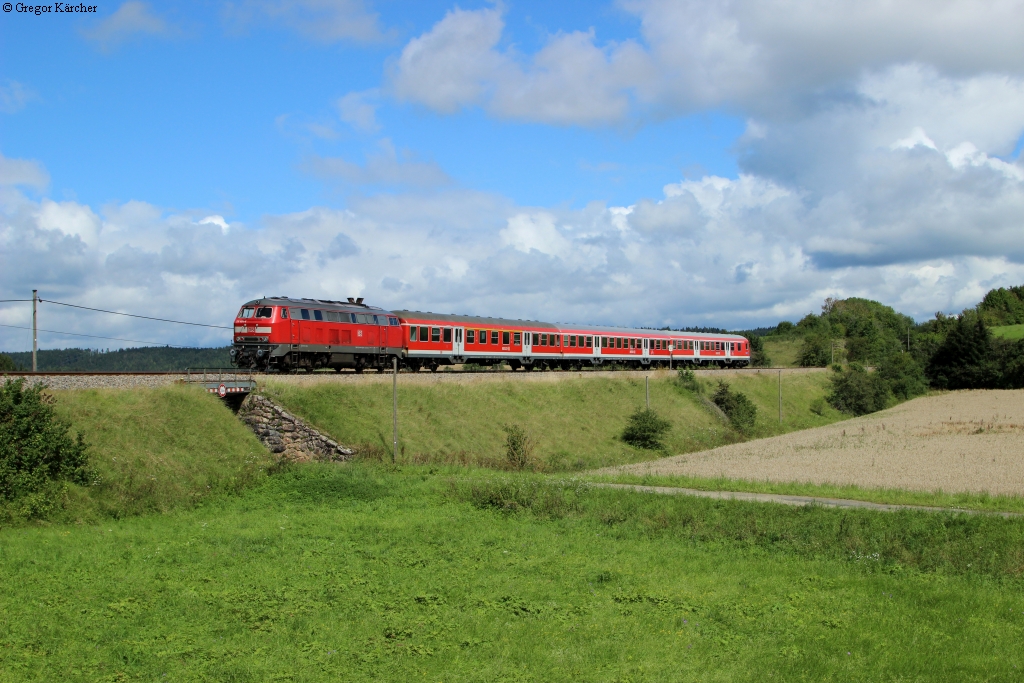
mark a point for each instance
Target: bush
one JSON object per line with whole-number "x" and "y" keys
{"x": 645, "y": 429}
{"x": 758, "y": 357}
{"x": 856, "y": 391}
{"x": 903, "y": 375}
{"x": 689, "y": 381}
{"x": 518, "y": 446}
{"x": 741, "y": 411}
{"x": 7, "y": 363}
{"x": 816, "y": 351}
{"x": 36, "y": 449}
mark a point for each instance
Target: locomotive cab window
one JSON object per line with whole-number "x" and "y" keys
{"x": 284, "y": 313}
{"x": 470, "y": 336}
{"x": 394, "y": 322}
{"x": 265, "y": 312}
{"x": 245, "y": 313}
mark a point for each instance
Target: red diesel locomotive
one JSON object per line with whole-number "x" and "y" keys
{"x": 282, "y": 334}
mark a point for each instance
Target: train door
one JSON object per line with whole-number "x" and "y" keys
{"x": 646, "y": 352}
{"x": 294, "y": 326}
{"x": 527, "y": 343}
{"x": 459, "y": 343}
{"x": 382, "y": 334}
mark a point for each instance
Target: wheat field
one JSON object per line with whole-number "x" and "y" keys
{"x": 964, "y": 441}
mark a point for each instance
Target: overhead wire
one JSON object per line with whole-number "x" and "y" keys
{"x": 95, "y": 336}
{"x": 132, "y": 315}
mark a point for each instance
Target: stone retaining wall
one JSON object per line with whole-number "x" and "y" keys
{"x": 287, "y": 435}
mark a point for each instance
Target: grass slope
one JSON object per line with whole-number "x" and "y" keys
{"x": 358, "y": 574}
{"x": 157, "y": 450}
{"x": 575, "y": 423}
{"x": 785, "y": 353}
{"x": 1009, "y": 331}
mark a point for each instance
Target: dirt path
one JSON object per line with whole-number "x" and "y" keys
{"x": 784, "y": 499}
{"x": 960, "y": 441}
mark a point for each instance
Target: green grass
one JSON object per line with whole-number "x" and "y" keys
{"x": 785, "y": 353}
{"x": 576, "y": 423}
{"x": 355, "y": 573}
{"x": 965, "y": 501}
{"x": 1009, "y": 331}
{"x": 154, "y": 450}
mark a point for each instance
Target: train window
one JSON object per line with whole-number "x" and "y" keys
{"x": 394, "y": 321}
{"x": 424, "y": 331}
{"x": 517, "y": 338}
{"x": 318, "y": 315}
{"x": 494, "y": 337}
{"x": 447, "y": 335}
{"x": 305, "y": 313}
{"x": 265, "y": 312}
{"x": 590, "y": 342}
{"x": 284, "y": 313}
{"x": 245, "y": 313}
{"x": 543, "y": 340}
{"x": 504, "y": 338}
{"x": 572, "y": 340}
{"x": 435, "y": 334}
{"x": 412, "y": 333}
{"x": 470, "y": 336}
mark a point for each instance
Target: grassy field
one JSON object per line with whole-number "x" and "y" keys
{"x": 575, "y": 423}
{"x": 1009, "y": 331}
{"x": 154, "y": 450}
{"x": 357, "y": 573}
{"x": 785, "y": 353}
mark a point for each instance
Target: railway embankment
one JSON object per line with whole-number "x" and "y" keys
{"x": 288, "y": 436}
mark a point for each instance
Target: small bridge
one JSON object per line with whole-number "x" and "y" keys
{"x": 223, "y": 381}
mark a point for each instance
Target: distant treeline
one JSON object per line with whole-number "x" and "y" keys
{"x": 144, "y": 359}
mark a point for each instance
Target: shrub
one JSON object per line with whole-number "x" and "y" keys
{"x": 903, "y": 375}
{"x": 7, "y": 363}
{"x": 759, "y": 358}
{"x": 645, "y": 429}
{"x": 689, "y": 381}
{"x": 741, "y": 411}
{"x": 816, "y": 351}
{"x": 856, "y": 391}
{"x": 518, "y": 446}
{"x": 36, "y": 449}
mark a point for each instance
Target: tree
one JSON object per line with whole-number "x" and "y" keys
{"x": 856, "y": 391}
{"x": 965, "y": 358}
{"x": 903, "y": 375}
{"x": 759, "y": 358}
{"x": 7, "y": 363}
{"x": 816, "y": 351}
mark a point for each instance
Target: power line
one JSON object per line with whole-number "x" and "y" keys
{"x": 93, "y": 336}
{"x": 132, "y": 315}
{"x": 7, "y": 301}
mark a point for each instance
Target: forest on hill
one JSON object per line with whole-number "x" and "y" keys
{"x": 141, "y": 359}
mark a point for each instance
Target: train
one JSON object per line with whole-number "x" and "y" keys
{"x": 281, "y": 334}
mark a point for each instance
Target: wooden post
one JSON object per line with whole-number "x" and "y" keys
{"x": 35, "y": 332}
{"x": 780, "y": 396}
{"x": 394, "y": 410}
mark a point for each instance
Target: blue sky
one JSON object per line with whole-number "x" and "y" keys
{"x": 640, "y": 162}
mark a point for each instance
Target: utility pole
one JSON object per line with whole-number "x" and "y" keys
{"x": 394, "y": 410}
{"x": 35, "y": 333}
{"x": 647, "y": 382}
{"x": 780, "y": 396}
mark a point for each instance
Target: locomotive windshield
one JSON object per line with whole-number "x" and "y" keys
{"x": 246, "y": 312}
{"x": 265, "y": 312}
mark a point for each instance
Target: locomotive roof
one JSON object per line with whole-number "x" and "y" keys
{"x": 506, "y": 322}
{"x": 329, "y": 304}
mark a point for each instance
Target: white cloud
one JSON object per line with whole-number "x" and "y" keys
{"x": 131, "y": 19}
{"x": 325, "y": 21}
{"x": 357, "y": 110}
{"x": 23, "y": 172}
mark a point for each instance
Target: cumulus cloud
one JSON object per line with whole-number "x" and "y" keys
{"x": 325, "y": 21}
{"x": 769, "y": 57}
{"x": 131, "y": 19}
